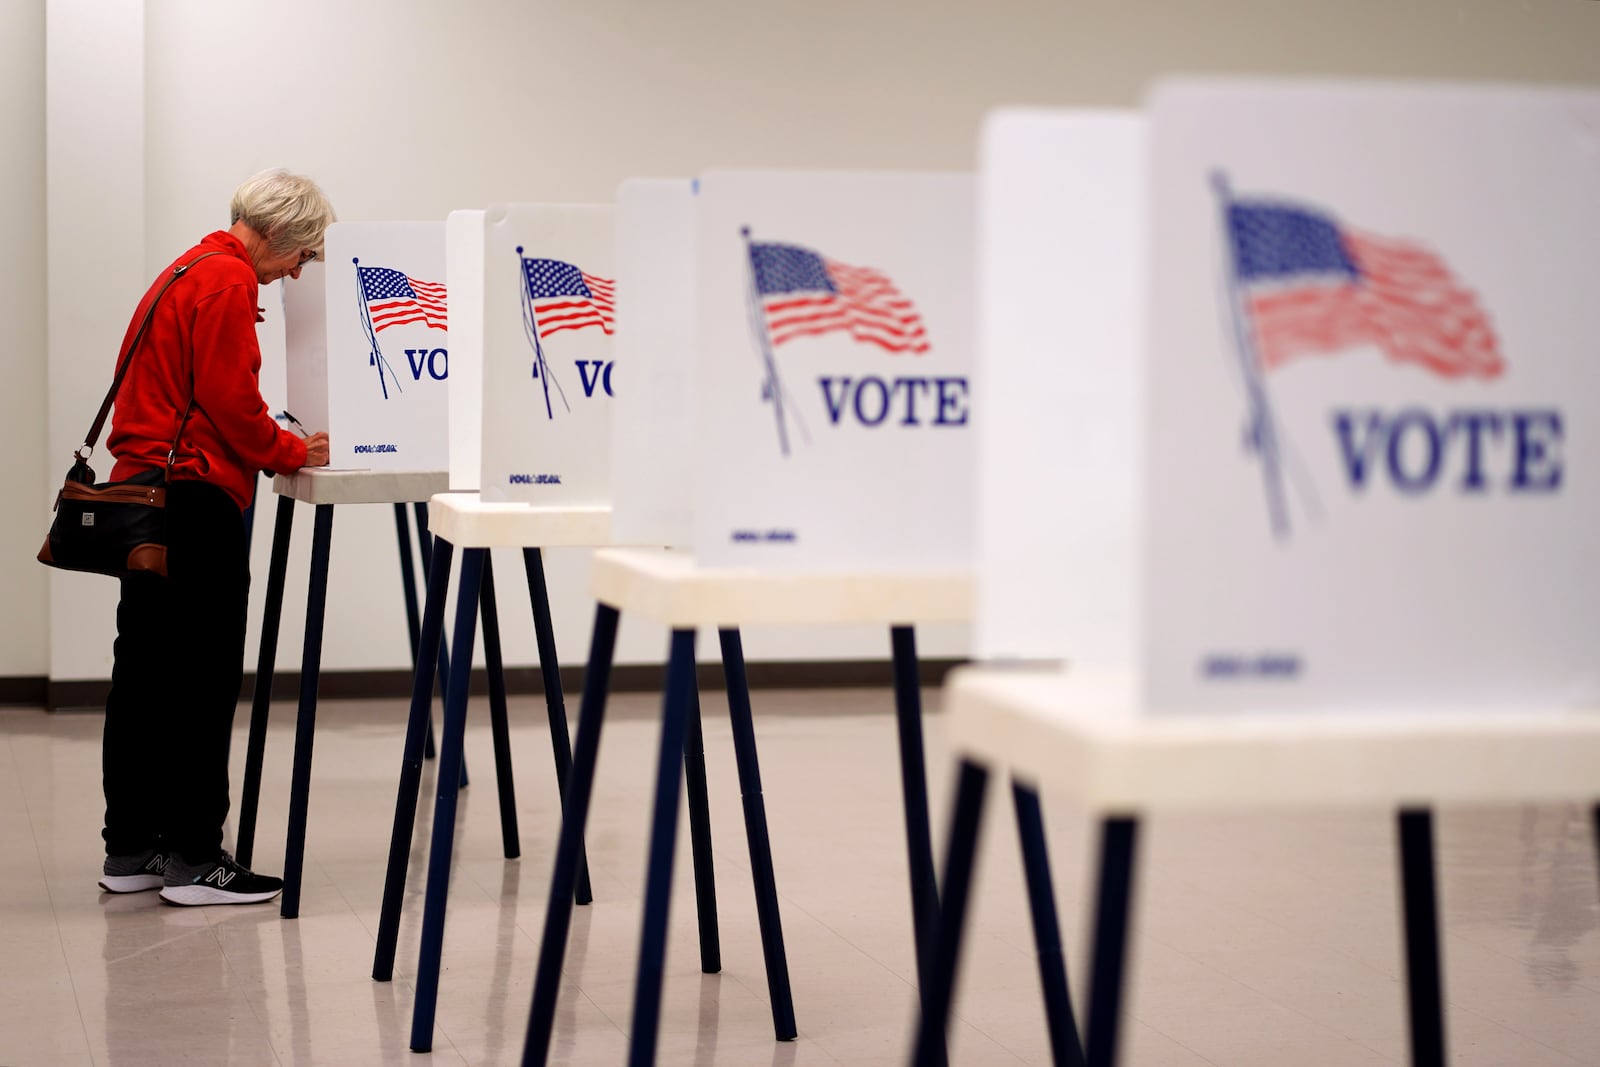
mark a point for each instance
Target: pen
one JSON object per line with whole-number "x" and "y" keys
{"x": 298, "y": 427}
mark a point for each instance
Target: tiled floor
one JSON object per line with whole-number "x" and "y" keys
{"x": 1260, "y": 939}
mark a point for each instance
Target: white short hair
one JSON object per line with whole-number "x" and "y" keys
{"x": 286, "y": 209}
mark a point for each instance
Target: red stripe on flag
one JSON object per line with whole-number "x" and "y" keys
{"x": 605, "y": 326}
{"x": 917, "y": 348}
{"x": 1406, "y": 302}
{"x": 867, "y": 305}
{"x": 584, "y": 314}
{"x": 554, "y": 314}
{"x": 841, "y": 317}
{"x": 400, "y": 315}
{"x": 572, "y": 315}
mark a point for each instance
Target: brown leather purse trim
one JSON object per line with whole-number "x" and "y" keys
{"x": 155, "y": 496}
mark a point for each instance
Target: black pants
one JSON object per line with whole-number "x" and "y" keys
{"x": 175, "y": 683}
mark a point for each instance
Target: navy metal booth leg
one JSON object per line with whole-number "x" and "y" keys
{"x": 965, "y": 820}
{"x": 554, "y": 702}
{"x": 425, "y": 547}
{"x": 408, "y": 578}
{"x": 663, "y": 835}
{"x": 755, "y": 825}
{"x": 1062, "y": 1021}
{"x": 569, "y": 847}
{"x": 914, "y": 790}
{"x": 1114, "y": 904}
{"x": 1424, "y": 984}
{"x": 499, "y": 727}
{"x": 306, "y": 724}
{"x": 444, "y": 809}
{"x": 417, "y": 725}
{"x": 266, "y": 664}
{"x": 705, "y": 879}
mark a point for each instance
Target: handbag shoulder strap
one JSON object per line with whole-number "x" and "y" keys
{"x": 111, "y": 394}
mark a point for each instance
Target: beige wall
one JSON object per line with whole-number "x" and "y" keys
{"x": 441, "y": 106}
{"x": 95, "y": 230}
{"x": 24, "y": 649}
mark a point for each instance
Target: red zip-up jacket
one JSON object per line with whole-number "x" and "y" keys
{"x": 203, "y": 332}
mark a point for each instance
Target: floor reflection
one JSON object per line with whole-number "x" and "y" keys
{"x": 152, "y": 984}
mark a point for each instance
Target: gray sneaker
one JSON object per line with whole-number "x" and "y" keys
{"x": 218, "y": 881}
{"x": 134, "y": 874}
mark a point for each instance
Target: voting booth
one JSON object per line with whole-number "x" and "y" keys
{"x": 653, "y": 421}
{"x": 1324, "y": 452}
{"x": 835, "y": 351}
{"x": 1061, "y": 251}
{"x": 368, "y": 360}
{"x": 549, "y": 315}
{"x": 822, "y": 383}
{"x": 1357, "y": 433}
{"x": 1370, "y": 390}
{"x": 540, "y": 306}
{"x": 463, "y": 240}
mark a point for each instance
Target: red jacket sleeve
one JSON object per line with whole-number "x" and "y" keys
{"x": 227, "y": 388}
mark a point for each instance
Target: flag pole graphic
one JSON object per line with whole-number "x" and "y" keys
{"x": 375, "y": 358}
{"x": 530, "y": 323}
{"x": 772, "y": 388}
{"x": 1262, "y": 431}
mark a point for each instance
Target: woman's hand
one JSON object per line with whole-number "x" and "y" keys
{"x": 317, "y": 450}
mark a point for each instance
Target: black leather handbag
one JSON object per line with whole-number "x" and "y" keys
{"x": 115, "y": 528}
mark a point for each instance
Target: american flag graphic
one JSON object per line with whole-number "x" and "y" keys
{"x": 1311, "y": 286}
{"x": 394, "y": 299}
{"x": 805, "y": 293}
{"x": 564, "y": 297}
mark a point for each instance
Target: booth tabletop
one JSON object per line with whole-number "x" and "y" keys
{"x": 669, "y": 587}
{"x": 466, "y": 520}
{"x": 324, "y": 485}
{"x": 1081, "y": 735}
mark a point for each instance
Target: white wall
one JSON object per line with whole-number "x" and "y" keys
{"x": 24, "y": 649}
{"x": 409, "y": 109}
{"x": 95, "y": 228}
